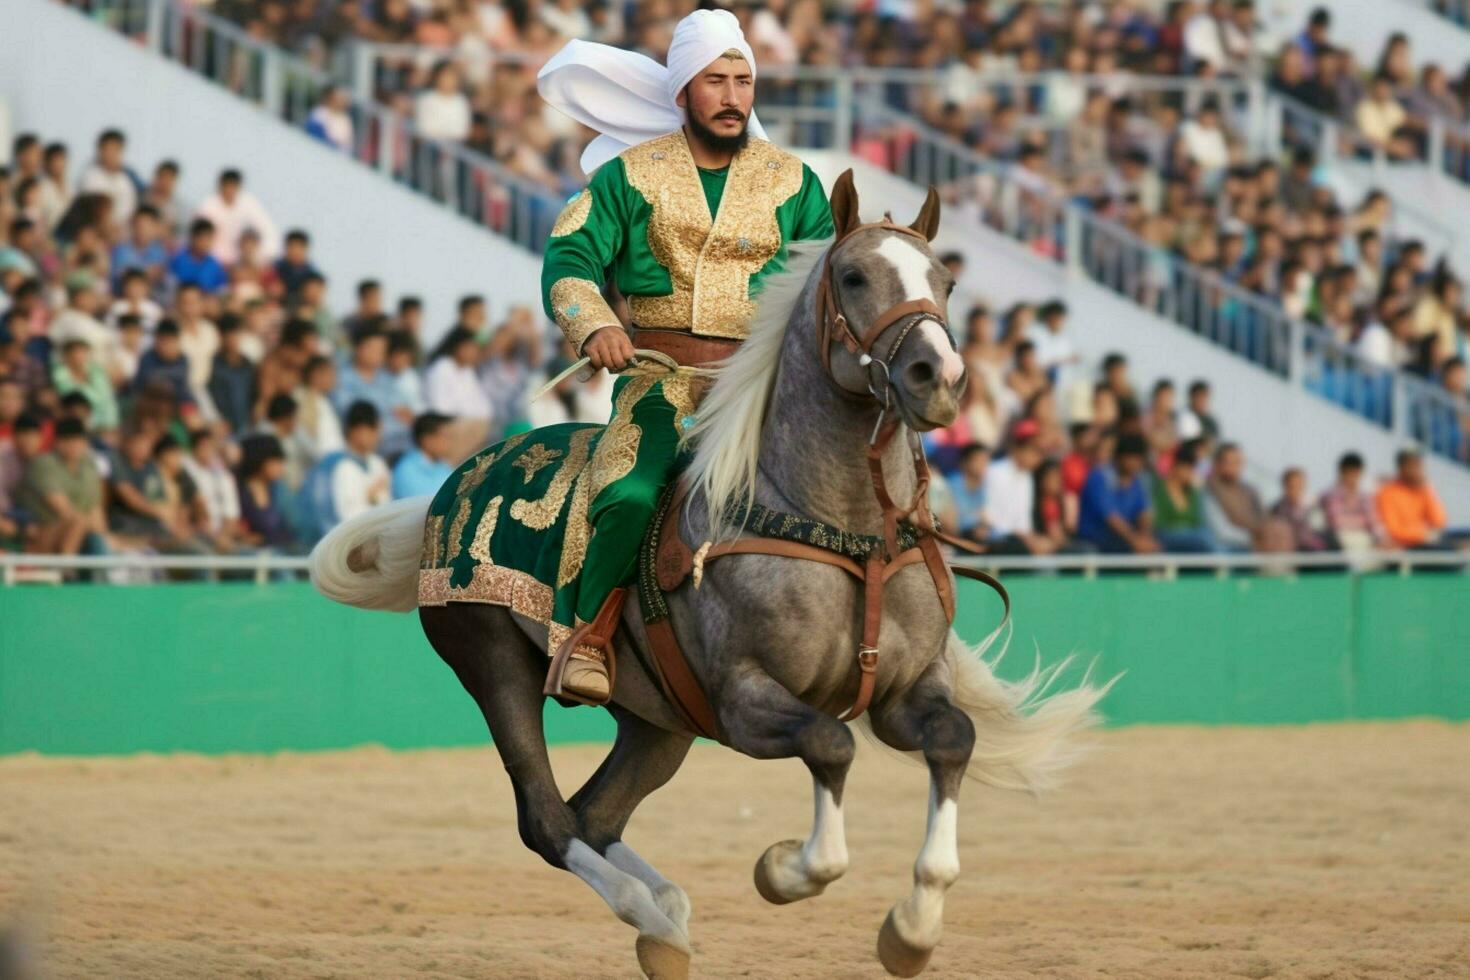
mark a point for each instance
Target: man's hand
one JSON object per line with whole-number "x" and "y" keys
{"x": 609, "y": 348}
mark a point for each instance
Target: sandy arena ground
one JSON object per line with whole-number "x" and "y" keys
{"x": 1329, "y": 851}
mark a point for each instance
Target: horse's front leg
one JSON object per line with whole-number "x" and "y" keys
{"x": 764, "y": 720}
{"x": 926, "y": 720}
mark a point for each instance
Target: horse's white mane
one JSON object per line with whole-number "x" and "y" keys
{"x": 727, "y": 430}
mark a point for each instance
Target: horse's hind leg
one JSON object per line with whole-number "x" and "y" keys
{"x": 764, "y": 720}
{"x": 503, "y": 672}
{"x": 643, "y": 758}
{"x": 925, "y": 719}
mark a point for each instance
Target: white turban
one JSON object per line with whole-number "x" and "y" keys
{"x": 628, "y": 97}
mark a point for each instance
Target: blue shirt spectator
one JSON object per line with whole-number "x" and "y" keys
{"x": 364, "y": 378}
{"x": 1117, "y": 493}
{"x": 165, "y": 361}
{"x": 196, "y": 265}
{"x": 423, "y": 469}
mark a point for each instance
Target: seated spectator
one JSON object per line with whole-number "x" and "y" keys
{"x": 1010, "y": 496}
{"x": 62, "y": 494}
{"x": 1115, "y": 513}
{"x": 1055, "y": 351}
{"x": 232, "y": 377}
{"x": 218, "y": 494}
{"x": 318, "y": 428}
{"x": 135, "y": 301}
{"x": 1026, "y": 377}
{"x": 454, "y": 389}
{"x": 142, "y": 513}
{"x": 1297, "y": 511}
{"x": 233, "y": 210}
{"x": 263, "y": 507}
{"x": 181, "y": 496}
{"x": 294, "y": 267}
{"x": 1410, "y": 510}
{"x": 365, "y": 379}
{"x": 80, "y": 371}
{"x": 165, "y": 362}
{"x": 1198, "y": 419}
{"x": 195, "y": 264}
{"x": 198, "y": 337}
{"x": 79, "y": 322}
{"x": 280, "y": 370}
{"x": 1379, "y": 116}
{"x": 128, "y": 354}
{"x": 1054, "y": 511}
{"x": 1234, "y": 510}
{"x": 1179, "y": 509}
{"x": 281, "y": 421}
{"x": 423, "y": 469}
{"x": 369, "y": 312}
{"x": 143, "y": 252}
{"x": 110, "y": 176}
{"x": 330, "y": 120}
{"x": 402, "y": 356}
{"x": 1351, "y": 517}
{"x": 348, "y": 482}
{"x": 17, "y": 525}
{"x": 968, "y": 491}
{"x": 1159, "y": 425}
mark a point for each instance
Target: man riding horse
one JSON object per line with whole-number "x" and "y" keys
{"x": 689, "y": 207}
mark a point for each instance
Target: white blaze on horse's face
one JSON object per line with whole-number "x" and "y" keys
{"x": 913, "y": 267}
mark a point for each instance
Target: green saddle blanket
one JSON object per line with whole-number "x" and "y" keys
{"x": 510, "y": 526}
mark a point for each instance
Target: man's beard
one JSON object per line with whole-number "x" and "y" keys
{"x": 714, "y": 141}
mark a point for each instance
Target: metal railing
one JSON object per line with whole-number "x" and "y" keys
{"x": 16, "y": 569}
{"x": 473, "y": 185}
{"x": 1250, "y": 325}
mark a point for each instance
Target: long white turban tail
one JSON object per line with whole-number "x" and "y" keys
{"x": 628, "y": 97}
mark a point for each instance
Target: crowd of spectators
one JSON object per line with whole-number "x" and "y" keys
{"x": 1046, "y": 458}
{"x": 172, "y": 379}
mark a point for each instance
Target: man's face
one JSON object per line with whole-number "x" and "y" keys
{"x": 364, "y": 438}
{"x": 436, "y": 444}
{"x": 974, "y": 466}
{"x": 145, "y": 229}
{"x": 1411, "y": 470}
{"x": 1028, "y": 455}
{"x": 28, "y": 443}
{"x": 206, "y": 453}
{"x": 473, "y": 317}
{"x": 138, "y": 447}
{"x": 76, "y": 356}
{"x": 71, "y": 449}
{"x": 56, "y": 166}
{"x": 719, "y": 101}
{"x": 1128, "y": 465}
{"x": 110, "y": 154}
{"x": 1455, "y": 380}
{"x": 202, "y": 242}
{"x": 372, "y": 352}
{"x": 372, "y": 302}
{"x": 296, "y": 252}
{"x": 1295, "y": 486}
{"x": 190, "y": 304}
{"x": 167, "y": 346}
{"x": 1230, "y": 465}
{"x": 1350, "y": 476}
{"x": 171, "y": 462}
{"x": 229, "y": 190}
{"x": 85, "y": 300}
{"x": 12, "y": 400}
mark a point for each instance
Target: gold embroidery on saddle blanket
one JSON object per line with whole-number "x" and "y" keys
{"x": 476, "y": 476}
{"x": 433, "y": 536}
{"x": 538, "y": 515}
{"x": 536, "y": 458}
{"x": 485, "y": 530}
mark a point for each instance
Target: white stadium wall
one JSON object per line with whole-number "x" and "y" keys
{"x": 66, "y": 79}
{"x": 1278, "y": 425}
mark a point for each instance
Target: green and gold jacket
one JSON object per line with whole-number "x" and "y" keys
{"x": 688, "y": 247}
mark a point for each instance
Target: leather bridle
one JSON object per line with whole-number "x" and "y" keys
{"x": 833, "y": 325}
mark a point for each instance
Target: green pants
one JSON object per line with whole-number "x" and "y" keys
{"x": 635, "y": 459}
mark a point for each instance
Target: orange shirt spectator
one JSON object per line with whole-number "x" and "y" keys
{"x": 1408, "y": 506}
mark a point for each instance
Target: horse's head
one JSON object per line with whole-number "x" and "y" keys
{"x": 882, "y": 313}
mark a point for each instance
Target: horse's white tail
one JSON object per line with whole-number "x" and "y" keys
{"x": 1025, "y": 732}
{"x": 372, "y": 561}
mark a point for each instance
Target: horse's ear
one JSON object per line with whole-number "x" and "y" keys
{"x": 844, "y": 205}
{"x": 927, "y": 223}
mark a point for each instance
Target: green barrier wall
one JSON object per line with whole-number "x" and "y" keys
{"x": 216, "y": 668}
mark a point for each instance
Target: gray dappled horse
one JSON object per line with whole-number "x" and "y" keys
{"x": 769, "y": 638}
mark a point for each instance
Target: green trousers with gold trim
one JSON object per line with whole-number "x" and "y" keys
{"x": 635, "y": 459}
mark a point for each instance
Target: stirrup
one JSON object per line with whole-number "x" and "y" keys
{"x": 598, "y": 635}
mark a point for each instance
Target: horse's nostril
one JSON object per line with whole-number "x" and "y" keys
{"x": 919, "y": 376}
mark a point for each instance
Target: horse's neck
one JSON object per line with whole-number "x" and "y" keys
{"x": 813, "y": 459}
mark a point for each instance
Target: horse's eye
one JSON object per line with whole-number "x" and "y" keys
{"x": 854, "y": 280}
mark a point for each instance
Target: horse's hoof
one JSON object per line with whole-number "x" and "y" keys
{"x": 773, "y": 879}
{"x": 672, "y": 901}
{"x": 897, "y": 955}
{"x": 661, "y": 961}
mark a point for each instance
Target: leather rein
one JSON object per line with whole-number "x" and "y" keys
{"x": 674, "y": 561}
